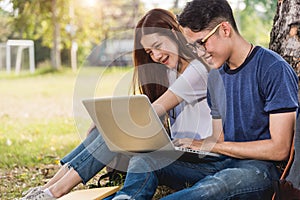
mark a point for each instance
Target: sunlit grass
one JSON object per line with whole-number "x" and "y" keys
{"x": 37, "y": 127}
{"x": 36, "y": 114}
{"x": 30, "y": 143}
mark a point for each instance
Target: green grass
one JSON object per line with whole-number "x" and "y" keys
{"x": 30, "y": 143}
{"x": 37, "y": 126}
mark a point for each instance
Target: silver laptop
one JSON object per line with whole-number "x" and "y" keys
{"x": 129, "y": 124}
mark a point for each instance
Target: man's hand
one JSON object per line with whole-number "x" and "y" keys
{"x": 204, "y": 145}
{"x": 187, "y": 143}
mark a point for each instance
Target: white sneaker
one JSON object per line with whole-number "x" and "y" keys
{"x": 39, "y": 195}
{"x": 31, "y": 191}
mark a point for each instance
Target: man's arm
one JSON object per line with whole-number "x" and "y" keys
{"x": 276, "y": 148}
{"x": 206, "y": 144}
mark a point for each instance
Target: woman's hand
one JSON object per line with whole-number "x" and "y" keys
{"x": 90, "y": 129}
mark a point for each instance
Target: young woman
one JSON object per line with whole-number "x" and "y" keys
{"x": 173, "y": 79}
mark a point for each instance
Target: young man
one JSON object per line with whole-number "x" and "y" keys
{"x": 253, "y": 97}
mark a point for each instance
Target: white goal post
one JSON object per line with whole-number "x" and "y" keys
{"x": 21, "y": 44}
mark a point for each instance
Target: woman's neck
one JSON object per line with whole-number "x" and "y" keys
{"x": 182, "y": 65}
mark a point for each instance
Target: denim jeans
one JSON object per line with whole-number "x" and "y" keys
{"x": 89, "y": 157}
{"x": 221, "y": 178}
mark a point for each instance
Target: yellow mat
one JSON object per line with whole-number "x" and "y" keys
{"x": 91, "y": 194}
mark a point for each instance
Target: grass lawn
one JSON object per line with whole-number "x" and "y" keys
{"x": 37, "y": 125}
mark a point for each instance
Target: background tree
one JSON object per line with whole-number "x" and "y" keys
{"x": 254, "y": 18}
{"x": 55, "y": 50}
{"x": 105, "y": 19}
{"x": 5, "y": 22}
{"x": 40, "y": 20}
{"x": 57, "y": 24}
{"x": 285, "y": 35}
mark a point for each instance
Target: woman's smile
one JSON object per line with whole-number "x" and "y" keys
{"x": 161, "y": 49}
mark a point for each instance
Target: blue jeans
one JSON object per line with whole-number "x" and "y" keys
{"x": 89, "y": 157}
{"x": 221, "y": 178}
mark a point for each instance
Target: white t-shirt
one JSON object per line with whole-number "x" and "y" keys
{"x": 191, "y": 118}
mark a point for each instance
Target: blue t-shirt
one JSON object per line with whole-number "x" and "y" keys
{"x": 245, "y": 97}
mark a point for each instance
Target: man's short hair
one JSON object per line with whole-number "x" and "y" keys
{"x": 206, "y": 14}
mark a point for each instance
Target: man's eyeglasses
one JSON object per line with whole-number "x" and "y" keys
{"x": 199, "y": 45}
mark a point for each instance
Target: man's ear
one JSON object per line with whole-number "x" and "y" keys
{"x": 226, "y": 29}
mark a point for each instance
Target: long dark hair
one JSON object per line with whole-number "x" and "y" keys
{"x": 150, "y": 78}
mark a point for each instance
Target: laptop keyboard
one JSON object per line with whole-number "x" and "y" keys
{"x": 195, "y": 151}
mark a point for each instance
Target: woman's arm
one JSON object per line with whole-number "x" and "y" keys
{"x": 166, "y": 102}
{"x": 190, "y": 86}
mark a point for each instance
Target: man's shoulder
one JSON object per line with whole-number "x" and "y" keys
{"x": 268, "y": 61}
{"x": 269, "y": 58}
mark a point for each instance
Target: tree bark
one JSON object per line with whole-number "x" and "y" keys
{"x": 55, "y": 50}
{"x": 285, "y": 39}
{"x": 285, "y": 34}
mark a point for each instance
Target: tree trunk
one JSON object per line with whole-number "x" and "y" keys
{"x": 285, "y": 39}
{"x": 175, "y": 5}
{"x": 285, "y": 35}
{"x": 55, "y": 50}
